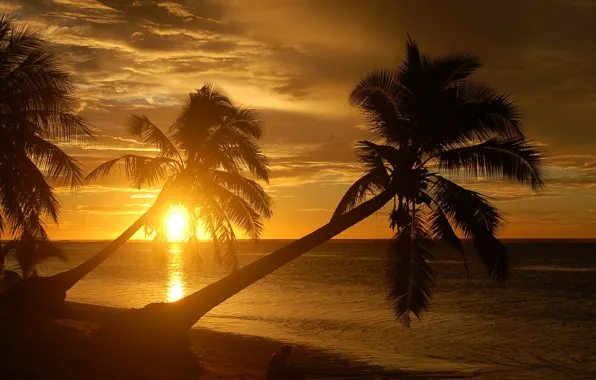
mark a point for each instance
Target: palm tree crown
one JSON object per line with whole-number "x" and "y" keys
{"x": 429, "y": 119}
{"x": 201, "y": 162}
{"x": 37, "y": 110}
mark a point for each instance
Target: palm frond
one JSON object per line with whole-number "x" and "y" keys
{"x": 140, "y": 170}
{"x": 35, "y": 88}
{"x": 215, "y": 237}
{"x": 377, "y": 97}
{"x": 484, "y": 114}
{"x": 446, "y": 71}
{"x": 373, "y": 155}
{"x": 206, "y": 107}
{"x": 246, "y": 120}
{"x": 222, "y": 232}
{"x": 246, "y": 152}
{"x": 104, "y": 169}
{"x": 370, "y": 183}
{"x": 411, "y": 64}
{"x": 410, "y": 277}
{"x": 246, "y": 188}
{"x": 36, "y": 196}
{"x": 239, "y": 212}
{"x": 55, "y": 162}
{"x": 473, "y": 214}
{"x": 30, "y": 251}
{"x": 513, "y": 159}
{"x": 150, "y": 172}
{"x": 151, "y": 135}
{"x": 440, "y": 229}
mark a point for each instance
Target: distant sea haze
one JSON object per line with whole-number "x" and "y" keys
{"x": 541, "y": 324}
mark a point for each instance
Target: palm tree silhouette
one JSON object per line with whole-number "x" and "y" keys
{"x": 37, "y": 110}
{"x": 29, "y": 252}
{"x": 430, "y": 120}
{"x": 429, "y": 117}
{"x": 210, "y": 146}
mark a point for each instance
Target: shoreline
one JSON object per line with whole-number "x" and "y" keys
{"x": 37, "y": 347}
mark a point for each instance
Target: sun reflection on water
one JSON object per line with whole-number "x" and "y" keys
{"x": 175, "y": 275}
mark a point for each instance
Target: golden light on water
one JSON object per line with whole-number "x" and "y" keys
{"x": 175, "y": 274}
{"x": 177, "y": 224}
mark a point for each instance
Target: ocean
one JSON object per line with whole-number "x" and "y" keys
{"x": 541, "y": 324}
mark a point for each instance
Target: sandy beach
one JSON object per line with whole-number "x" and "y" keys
{"x": 38, "y": 347}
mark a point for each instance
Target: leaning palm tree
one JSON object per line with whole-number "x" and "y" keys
{"x": 201, "y": 163}
{"x": 37, "y": 110}
{"x": 428, "y": 119}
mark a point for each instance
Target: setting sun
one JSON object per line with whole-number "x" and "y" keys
{"x": 176, "y": 223}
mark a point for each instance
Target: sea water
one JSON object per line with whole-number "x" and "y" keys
{"x": 541, "y": 324}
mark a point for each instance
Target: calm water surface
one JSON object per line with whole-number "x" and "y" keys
{"x": 541, "y": 325}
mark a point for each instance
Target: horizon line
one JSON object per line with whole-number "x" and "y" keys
{"x": 334, "y": 239}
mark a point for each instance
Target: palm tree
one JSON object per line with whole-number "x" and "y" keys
{"x": 37, "y": 110}
{"x": 201, "y": 164}
{"x": 428, "y": 118}
{"x": 29, "y": 252}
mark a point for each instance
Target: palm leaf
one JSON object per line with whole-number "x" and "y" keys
{"x": 247, "y": 121}
{"x": 440, "y": 229}
{"x": 35, "y": 88}
{"x": 484, "y": 114}
{"x": 369, "y": 183}
{"x": 377, "y": 97}
{"x": 247, "y": 153}
{"x": 206, "y": 108}
{"x": 140, "y": 170}
{"x": 246, "y": 188}
{"x": 36, "y": 195}
{"x": 473, "y": 214}
{"x": 452, "y": 68}
{"x": 513, "y": 159}
{"x": 373, "y": 155}
{"x": 151, "y": 135}
{"x": 240, "y": 212}
{"x": 223, "y": 232}
{"x": 57, "y": 164}
{"x": 410, "y": 277}
{"x": 30, "y": 251}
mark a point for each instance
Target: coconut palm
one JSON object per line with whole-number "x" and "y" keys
{"x": 37, "y": 111}
{"x": 29, "y": 252}
{"x": 428, "y": 119}
{"x": 432, "y": 124}
{"x": 201, "y": 163}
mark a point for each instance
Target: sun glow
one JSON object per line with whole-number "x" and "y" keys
{"x": 177, "y": 224}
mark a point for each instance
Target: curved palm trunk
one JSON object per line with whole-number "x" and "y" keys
{"x": 49, "y": 293}
{"x": 195, "y": 305}
{"x": 68, "y": 279}
{"x": 164, "y": 325}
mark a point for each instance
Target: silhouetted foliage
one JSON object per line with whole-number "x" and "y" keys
{"x": 201, "y": 161}
{"x": 29, "y": 252}
{"x": 428, "y": 119}
{"x": 37, "y": 111}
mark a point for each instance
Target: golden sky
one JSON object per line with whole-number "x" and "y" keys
{"x": 296, "y": 61}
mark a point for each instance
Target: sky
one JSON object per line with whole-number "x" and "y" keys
{"x": 296, "y": 62}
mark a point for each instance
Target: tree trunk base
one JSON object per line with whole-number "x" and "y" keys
{"x": 154, "y": 334}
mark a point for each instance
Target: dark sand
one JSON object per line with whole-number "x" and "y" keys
{"x": 36, "y": 347}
